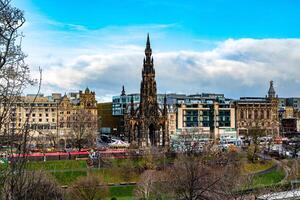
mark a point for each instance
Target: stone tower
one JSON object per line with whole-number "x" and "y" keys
{"x": 147, "y": 125}
{"x": 148, "y": 98}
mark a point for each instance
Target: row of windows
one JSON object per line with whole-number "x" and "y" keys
{"x": 68, "y": 125}
{"x": 189, "y": 119}
{"x": 40, "y": 120}
{"x": 255, "y": 124}
{"x": 196, "y": 124}
{"x": 255, "y": 114}
{"x": 20, "y": 105}
{"x": 205, "y": 118}
{"x": 206, "y": 124}
{"x": 42, "y": 126}
{"x": 41, "y": 114}
{"x": 197, "y": 112}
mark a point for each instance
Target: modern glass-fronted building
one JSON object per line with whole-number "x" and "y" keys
{"x": 204, "y": 113}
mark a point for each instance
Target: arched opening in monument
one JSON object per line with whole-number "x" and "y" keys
{"x": 69, "y": 143}
{"x": 152, "y": 134}
{"x": 62, "y": 143}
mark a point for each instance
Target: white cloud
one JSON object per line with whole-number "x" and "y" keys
{"x": 73, "y": 57}
{"x": 234, "y": 67}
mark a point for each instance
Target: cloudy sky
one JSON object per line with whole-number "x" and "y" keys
{"x": 225, "y": 46}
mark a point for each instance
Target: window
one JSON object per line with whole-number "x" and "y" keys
{"x": 40, "y": 114}
{"x": 255, "y": 114}
{"x": 268, "y": 114}
{"x": 33, "y": 114}
{"x": 250, "y": 115}
{"x": 40, "y": 120}
{"x": 262, "y": 114}
{"x": 53, "y": 120}
{"x": 47, "y": 115}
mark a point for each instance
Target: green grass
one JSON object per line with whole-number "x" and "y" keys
{"x": 114, "y": 175}
{"x": 271, "y": 178}
{"x": 250, "y": 168}
{"x": 66, "y": 178}
{"x": 110, "y": 175}
{"x": 57, "y": 165}
{"x": 121, "y": 192}
{"x": 67, "y": 171}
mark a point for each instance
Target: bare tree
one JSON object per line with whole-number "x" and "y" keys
{"x": 14, "y": 73}
{"x": 11, "y": 19}
{"x": 254, "y": 148}
{"x": 88, "y": 188}
{"x": 35, "y": 185}
{"x": 83, "y": 128}
{"x": 15, "y": 181}
{"x": 146, "y": 186}
{"x": 52, "y": 137}
{"x": 201, "y": 177}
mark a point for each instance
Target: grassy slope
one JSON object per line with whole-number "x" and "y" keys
{"x": 57, "y": 165}
{"x": 275, "y": 176}
{"x": 112, "y": 175}
{"x": 73, "y": 169}
{"x": 121, "y": 192}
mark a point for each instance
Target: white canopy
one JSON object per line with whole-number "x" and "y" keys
{"x": 119, "y": 143}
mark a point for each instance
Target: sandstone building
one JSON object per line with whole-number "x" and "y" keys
{"x": 258, "y": 112}
{"x": 51, "y": 120}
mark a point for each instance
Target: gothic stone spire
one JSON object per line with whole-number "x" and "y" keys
{"x": 148, "y": 84}
{"x": 148, "y": 60}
